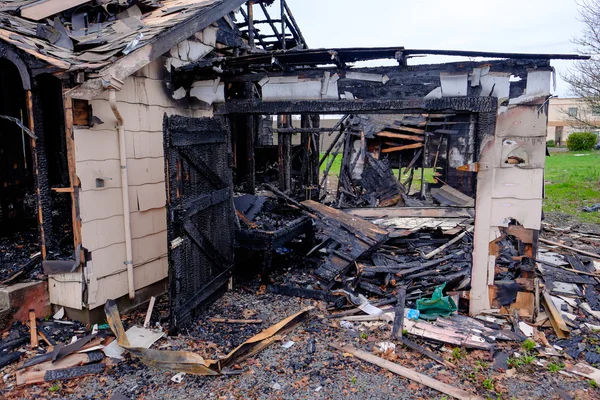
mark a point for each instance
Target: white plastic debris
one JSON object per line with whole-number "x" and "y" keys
{"x": 526, "y": 329}
{"x": 318, "y": 388}
{"x": 386, "y": 347}
{"x": 59, "y": 314}
{"x": 346, "y": 324}
{"x": 276, "y": 386}
{"x": 288, "y": 344}
{"x": 178, "y": 378}
{"x": 368, "y": 307}
{"x": 95, "y": 329}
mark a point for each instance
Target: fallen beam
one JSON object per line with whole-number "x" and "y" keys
{"x": 558, "y": 323}
{"x": 400, "y": 148}
{"x": 412, "y": 345}
{"x": 445, "y": 104}
{"x": 410, "y": 212}
{"x": 395, "y": 135}
{"x": 37, "y": 373}
{"x": 407, "y": 373}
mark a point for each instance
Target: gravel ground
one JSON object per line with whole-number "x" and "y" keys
{"x": 297, "y": 373}
{"x": 566, "y": 221}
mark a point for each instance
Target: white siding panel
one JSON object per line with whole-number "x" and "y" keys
{"x": 102, "y": 233}
{"x": 115, "y": 286}
{"x": 108, "y": 170}
{"x": 100, "y": 204}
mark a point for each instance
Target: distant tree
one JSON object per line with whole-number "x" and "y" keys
{"x": 584, "y": 76}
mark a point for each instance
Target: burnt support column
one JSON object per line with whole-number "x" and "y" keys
{"x": 40, "y": 172}
{"x": 284, "y": 144}
{"x": 250, "y": 167}
{"x": 315, "y": 156}
{"x": 305, "y": 169}
{"x": 310, "y": 156}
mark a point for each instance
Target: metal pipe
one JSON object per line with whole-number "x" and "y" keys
{"x": 112, "y": 100}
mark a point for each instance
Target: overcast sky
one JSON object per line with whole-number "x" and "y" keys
{"x": 520, "y": 26}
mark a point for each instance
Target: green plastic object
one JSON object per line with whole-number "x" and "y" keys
{"x": 438, "y": 306}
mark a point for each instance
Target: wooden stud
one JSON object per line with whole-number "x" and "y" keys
{"x": 407, "y": 373}
{"x": 400, "y": 148}
{"x": 149, "y": 312}
{"x": 400, "y": 136}
{"x": 33, "y": 330}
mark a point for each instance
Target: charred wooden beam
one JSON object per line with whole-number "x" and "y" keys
{"x": 442, "y": 105}
{"x": 284, "y": 144}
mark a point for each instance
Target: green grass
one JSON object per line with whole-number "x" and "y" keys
{"x": 416, "y": 184}
{"x": 573, "y": 182}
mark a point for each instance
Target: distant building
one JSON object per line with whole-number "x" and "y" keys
{"x": 565, "y": 116}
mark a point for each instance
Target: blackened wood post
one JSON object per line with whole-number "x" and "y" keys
{"x": 399, "y": 313}
{"x": 315, "y": 148}
{"x": 250, "y": 167}
{"x": 305, "y": 139}
{"x": 424, "y": 165}
{"x": 284, "y": 144}
{"x": 250, "y": 131}
{"x": 250, "y": 24}
{"x": 282, "y": 5}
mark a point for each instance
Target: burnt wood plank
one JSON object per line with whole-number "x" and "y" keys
{"x": 414, "y": 105}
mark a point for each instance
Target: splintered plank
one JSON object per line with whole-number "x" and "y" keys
{"x": 355, "y": 237}
{"x": 558, "y": 323}
{"x": 448, "y": 196}
{"x": 407, "y": 212}
{"x": 38, "y": 376}
{"x": 407, "y": 373}
{"x": 400, "y": 148}
{"x": 394, "y": 135}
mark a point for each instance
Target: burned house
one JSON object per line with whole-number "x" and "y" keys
{"x": 129, "y": 128}
{"x": 85, "y": 86}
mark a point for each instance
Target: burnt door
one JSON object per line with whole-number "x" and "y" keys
{"x": 200, "y": 213}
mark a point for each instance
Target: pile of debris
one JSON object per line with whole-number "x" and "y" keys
{"x": 359, "y": 257}
{"x": 84, "y": 34}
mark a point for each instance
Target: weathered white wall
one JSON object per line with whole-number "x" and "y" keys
{"x": 509, "y": 191}
{"x": 143, "y": 101}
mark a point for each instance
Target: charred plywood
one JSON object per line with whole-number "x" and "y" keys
{"x": 355, "y": 237}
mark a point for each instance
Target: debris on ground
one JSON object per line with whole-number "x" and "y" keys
{"x": 386, "y": 294}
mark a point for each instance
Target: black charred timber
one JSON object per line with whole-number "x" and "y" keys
{"x": 41, "y": 170}
{"x": 442, "y": 105}
{"x": 72, "y": 373}
{"x": 295, "y": 291}
{"x": 315, "y": 146}
{"x": 399, "y": 313}
{"x": 251, "y": 125}
{"x": 38, "y": 359}
{"x": 61, "y": 352}
{"x": 14, "y": 343}
{"x": 305, "y": 169}
{"x": 369, "y": 287}
{"x": 284, "y": 144}
{"x": 10, "y": 358}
